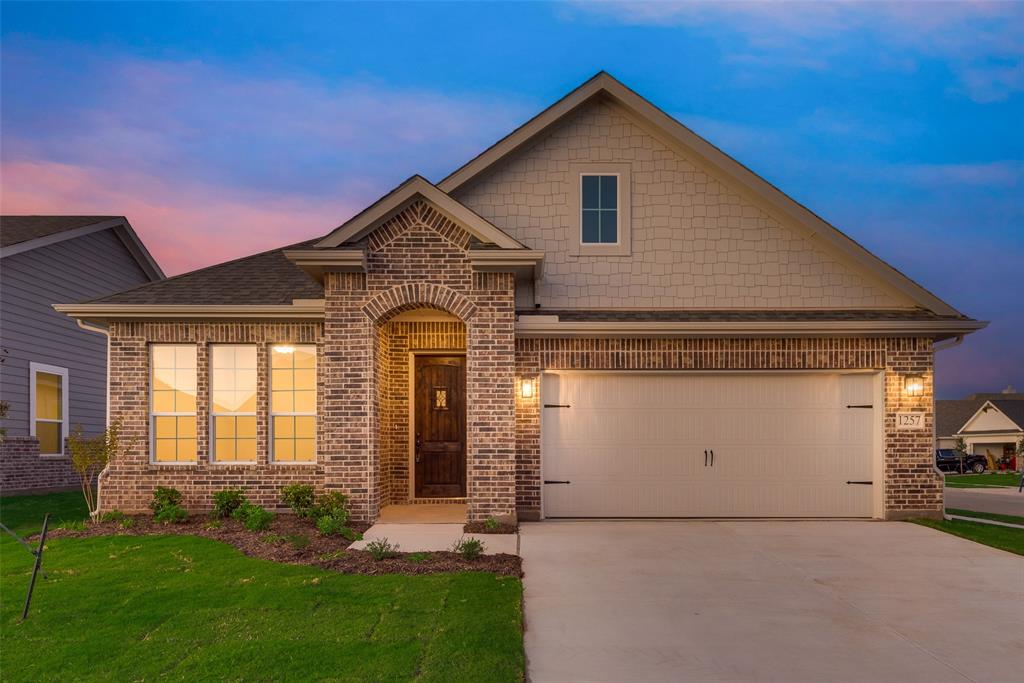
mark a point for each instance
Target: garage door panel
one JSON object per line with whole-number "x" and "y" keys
{"x": 633, "y": 445}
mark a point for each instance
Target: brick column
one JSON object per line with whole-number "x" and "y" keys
{"x": 913, "y": 487}
{"x": 490, "y": 382}
{"x": 350, "y": 449}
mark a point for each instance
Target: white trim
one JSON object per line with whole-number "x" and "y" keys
{"x": 622, "y": 246}
{"x": 983, "y": 409}
{"x": 618, "y": 212}
{"x": 300, "y": 309}
{"x": 271, "y": 414}
{"x": 65, "y": 390}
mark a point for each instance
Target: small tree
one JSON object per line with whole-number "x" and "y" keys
{"x": 90, "y": 455}
{"x": 960, "y": 448}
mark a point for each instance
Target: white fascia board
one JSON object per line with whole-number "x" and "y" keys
{"x": 304, "y": 309}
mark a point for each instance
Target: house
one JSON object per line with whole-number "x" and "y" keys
{"x": 990, "y": 424}
{"x": 54, "y": 373}
{"x": 601, "y": 315}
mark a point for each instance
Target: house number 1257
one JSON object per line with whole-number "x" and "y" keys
{"x": 909, "y": 420}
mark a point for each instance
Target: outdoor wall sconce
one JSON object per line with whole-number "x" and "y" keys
{"x": 526, "y": 388}
{"x": 913, "y": 385}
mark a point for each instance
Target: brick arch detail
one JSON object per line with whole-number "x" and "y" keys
{"x": 408, "y": 297}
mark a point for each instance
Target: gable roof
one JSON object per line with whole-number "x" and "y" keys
{"x": 417, "y": 187}
{"x": 952, "y": 415}
{"x": 267, "y": 278}
{"x": 676, "y": 135}
{"x": 19, "y": 234}
{"x": 1011, "y": 410}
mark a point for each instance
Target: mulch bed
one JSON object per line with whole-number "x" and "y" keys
{"x": 482, "y": 528}
{"x": 330, "y": 552}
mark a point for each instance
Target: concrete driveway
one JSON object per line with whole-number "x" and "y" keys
{"x": 787, "y": 601}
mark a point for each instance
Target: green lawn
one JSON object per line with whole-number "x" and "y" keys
{"x": 1000, "y": 537}
{"x": 24, "y": 514}
{"x": 187, "y": 608}
{"x": 1012, "y": 519}
{"x": 983, "y": 480}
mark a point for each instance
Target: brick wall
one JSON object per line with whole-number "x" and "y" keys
{"x": 23, "y": 470}
{"x": 128, "y": 483}
{"x": 912, "y": 486}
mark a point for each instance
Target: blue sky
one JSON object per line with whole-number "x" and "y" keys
{"x": 223, "y": 129}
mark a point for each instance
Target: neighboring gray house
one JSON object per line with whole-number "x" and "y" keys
{"x": 53, "y": 374}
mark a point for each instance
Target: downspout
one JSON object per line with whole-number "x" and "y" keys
{"x": 942, "y": 346}
{"x": 100, "y": 329}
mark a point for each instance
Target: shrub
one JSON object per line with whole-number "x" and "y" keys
{"x": 227, "y": 501}
{"x": 253, "y": 517}
{"x": 90, "y": 456}
{"x": 491, "y": 524}
{"x": 164, "y": 496}
{"x": 332, "y": 504}
{"x": 73, "y": 525}
{"x": 113, "y": 516}
{"x": 299, "y": 541}
{"x": 351, "y": 534}
{"x": 299, "y": 497}
{"x": 127, "y": 523}
{"x": 171, "y": 514}
{"x": 331, "y": 526}
{"x": 417, "y": 558}
{"x": 382, "y": 549}
{"x": 469, "y": 548}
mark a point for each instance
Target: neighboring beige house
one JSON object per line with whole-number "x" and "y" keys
{"x": 602, "y": 315}
{"x": 990, "y": 424}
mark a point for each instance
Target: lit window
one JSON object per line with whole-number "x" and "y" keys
{"x": 599, "y": 203}
{"x": 233, "y": 403}
{"x": 440, "y": 398}
{"x": 49, "y": 407}
{"x": 293, "y": 403}
{"x": 173, "y": 403}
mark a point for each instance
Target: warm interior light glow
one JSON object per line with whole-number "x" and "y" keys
{"x": 527, "y": 388}
{"x": 913, "y": 385}
{"x": 284, "y": 348}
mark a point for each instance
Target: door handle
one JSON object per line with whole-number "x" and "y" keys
{"x": 418, "y": 445}
{"x": 712, "y": 457}
{"x": 705, "y": 458}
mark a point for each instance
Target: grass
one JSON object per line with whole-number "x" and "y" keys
{"x": 970, "y": 481}
{"x": 188, "y": 608}
{"x": 1000, "y": 537}
{"x": 1012, "y": 519}
{"x": 24, "y": 514}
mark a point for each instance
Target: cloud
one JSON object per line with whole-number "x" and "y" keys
{"x": 185, "y": 225}
{"x": 209, "y": 163}
{"x": 981, "y": 42}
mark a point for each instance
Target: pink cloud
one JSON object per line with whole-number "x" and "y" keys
{"x": 185, "y": 226}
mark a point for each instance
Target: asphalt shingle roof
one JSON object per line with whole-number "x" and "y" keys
{"x": 18, "y": 229}
{"x": 950, "y": 416}
{"x": 265, "y": 278}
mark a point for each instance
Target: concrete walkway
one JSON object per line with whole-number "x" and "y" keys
{"x": 1003, "y": 501}
{"x": 434, "y": 537}
{"x": 787, "y": 601}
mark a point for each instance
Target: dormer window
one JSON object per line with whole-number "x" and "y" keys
{"x": 599, "y": 195}
{"x": 599, "y": 201}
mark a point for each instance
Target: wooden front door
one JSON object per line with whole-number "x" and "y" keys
{"x": 440, "y": 429}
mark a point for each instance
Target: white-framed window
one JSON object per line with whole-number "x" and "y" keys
{"x": 172, "y": 403}
{"x": 599, "y": 206}
{"x": 48, "y": 407}
{"x": 602, "y": 208}
{"x": 293, "y": 403}
{"x": 233, "y": 403}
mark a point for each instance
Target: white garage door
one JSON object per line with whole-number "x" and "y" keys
{"x": 719, "y": 445}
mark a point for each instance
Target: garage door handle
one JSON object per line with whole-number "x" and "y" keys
{"x": 557, "y": 481}
{"x": 868, "y": 483}
{"x": 705, "y": 458}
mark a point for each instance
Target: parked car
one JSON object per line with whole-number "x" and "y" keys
{"x": 947, "y": 460}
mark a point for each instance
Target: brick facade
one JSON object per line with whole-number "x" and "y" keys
{"x": 913, "y": 487}
{"x": 23, "y": 470}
